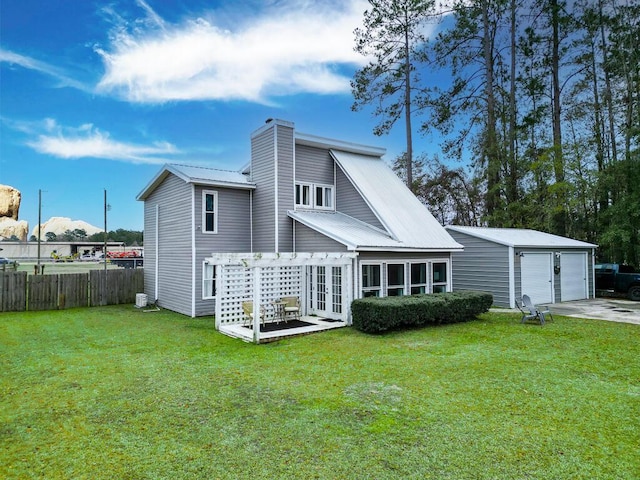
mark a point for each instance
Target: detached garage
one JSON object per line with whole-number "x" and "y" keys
{"x": 510, "y": 262}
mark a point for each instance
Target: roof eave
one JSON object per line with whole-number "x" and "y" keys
{"x": 332, "y": 144}
{"x": 408, "y": 249}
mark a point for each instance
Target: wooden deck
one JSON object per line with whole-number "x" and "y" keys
{"x": 287, "y": 329}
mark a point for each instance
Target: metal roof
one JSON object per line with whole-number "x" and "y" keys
{"x": 521, "y": 237}
{"x": 406, "y": 219}
{"x": 198, "y": 175}
{"x": 345, "y": 229}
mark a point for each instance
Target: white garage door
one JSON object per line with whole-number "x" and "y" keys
{"x": 537, "y": 277}
{"x": 573, "y": 276}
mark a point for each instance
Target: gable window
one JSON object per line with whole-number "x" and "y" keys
{"x": 303, "y": 195}
{"x": 314, "y": 196}
{"x": 209, "y": 211}
{"x": 371, "y": 285}
{"x": 395, "y": 279}
{"x": 208, "y": 280}
{"x": 324, "y": 197}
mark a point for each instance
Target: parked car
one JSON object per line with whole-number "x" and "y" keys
{"x": 613, "y": 277}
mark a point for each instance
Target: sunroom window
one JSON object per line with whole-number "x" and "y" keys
{"x": 371, "y": 284}
{"x": 418, "y": 278}
{"x": 439, "y": 278}
{"x": 395, "y": 279}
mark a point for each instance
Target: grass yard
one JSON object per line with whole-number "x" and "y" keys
{"x": 115, "y": 393}
{"x": 51, "y": 268}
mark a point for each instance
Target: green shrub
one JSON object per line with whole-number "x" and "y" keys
{"x": 377, "y": 315}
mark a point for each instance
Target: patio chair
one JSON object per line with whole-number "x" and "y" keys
{"x": 247, "y": 309}
{"x": 539, "y": 313}
{"x": 291, "y": 307}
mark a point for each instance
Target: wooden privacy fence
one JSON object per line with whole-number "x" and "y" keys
{"x": 20, "y": 291}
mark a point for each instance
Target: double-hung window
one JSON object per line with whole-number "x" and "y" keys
{"x": 208, "y": 280}
{"x": 209, "y": 211}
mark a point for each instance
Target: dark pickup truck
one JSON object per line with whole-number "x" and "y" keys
{"x": 618, "y": 278}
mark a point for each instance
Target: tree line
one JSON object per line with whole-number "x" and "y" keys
{"x": 128, "y": 237}
{"x": 540, "y": 98}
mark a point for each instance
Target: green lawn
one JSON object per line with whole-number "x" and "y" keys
{"x": 116, "y": 393}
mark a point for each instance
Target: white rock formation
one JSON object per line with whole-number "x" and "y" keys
{"x": 10, "y": 227}
{"x": 59, "y": 225}
{"x": 9, "y": 202}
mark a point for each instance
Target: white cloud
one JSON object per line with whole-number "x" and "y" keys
{"x": 87, "y": 141}
{"x": 42, "y": 67}
{"x": 290, "y": 47}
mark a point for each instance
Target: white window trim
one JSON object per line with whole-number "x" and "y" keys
{"x": 205, "y": 280}
{"x": 426, "y": 277}
{"x": 447, "y": 282}
{"x": 315, "y": 199}
{"x": 311, "y": 190}
{"x": 384, "y": 281}
{"x": 403, "y": 286}
{"x": 204, "y": 212}
{"x": 371, "y": 289}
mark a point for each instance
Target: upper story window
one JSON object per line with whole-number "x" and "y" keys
{"x": 324, "y": 197}
{"x": 303, "y": 195}
{"x": 310, "y": 195}
{"x": 209, "y": 211}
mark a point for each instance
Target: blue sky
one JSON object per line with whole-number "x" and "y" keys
{"x": 98, "y": 95}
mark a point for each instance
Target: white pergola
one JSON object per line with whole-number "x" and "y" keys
{"x": 266, "y": 277}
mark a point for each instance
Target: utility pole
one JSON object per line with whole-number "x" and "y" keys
{"x": 105, "y": 233}
{"x": 39, "y": 227}
{"x": 104, "y": 281}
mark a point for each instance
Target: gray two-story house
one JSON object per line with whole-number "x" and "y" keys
{"x": 299, "y": 195}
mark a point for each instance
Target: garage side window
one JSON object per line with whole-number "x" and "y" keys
{"x": 209, "y": 211}
{"x": 371, "y": 284}
{"x": 208, "y": 281}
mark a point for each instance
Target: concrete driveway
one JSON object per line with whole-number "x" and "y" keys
{"x": 611, "y": 309}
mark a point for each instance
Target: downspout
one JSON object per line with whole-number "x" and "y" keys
{"x": 193, "y": 250}
{"x": 512, "y": 278}
{"x": 251, "y": 220}
{"x": 593, "y": 272}
{"x": 275, "y": 172}
{"x": 157, "y": 235}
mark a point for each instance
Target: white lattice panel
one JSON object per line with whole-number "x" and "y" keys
{"x": 236, "y": 285}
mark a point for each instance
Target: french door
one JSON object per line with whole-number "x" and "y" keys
{"x": 326, "y": 291}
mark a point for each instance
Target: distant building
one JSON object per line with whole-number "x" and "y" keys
{"x": 27, "y": 251}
